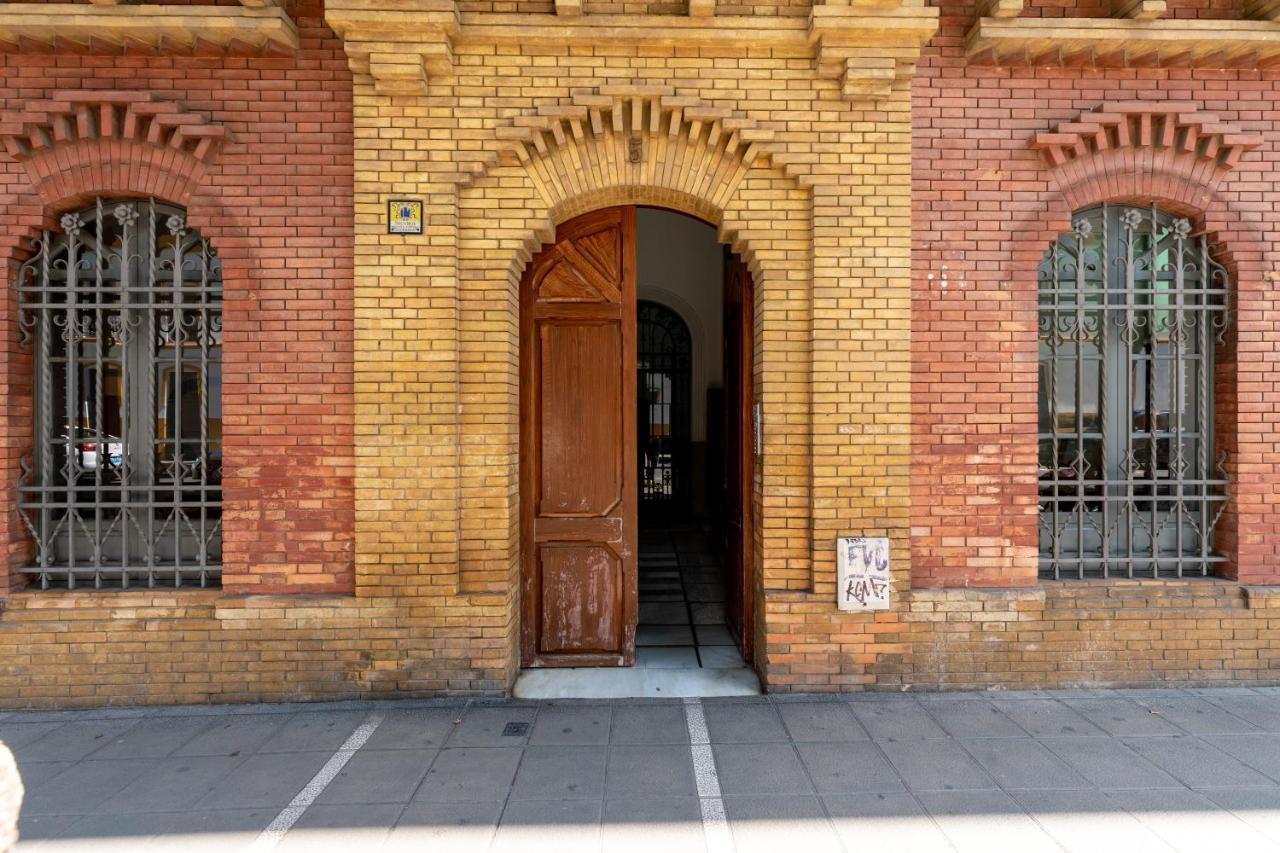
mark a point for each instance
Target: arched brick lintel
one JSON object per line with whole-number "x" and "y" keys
{"x": 1179, "y": 191}
{"x": 78, "y": 144}
{"x": 1168, "y": 150}
{"x": 70, "y": 175}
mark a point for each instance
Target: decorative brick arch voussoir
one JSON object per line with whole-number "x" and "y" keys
{"x": 631, "y": 145}
{"x": 1136, "y": 149}
{"x": 614, "y": 147}
{"x": 84, "y": 143}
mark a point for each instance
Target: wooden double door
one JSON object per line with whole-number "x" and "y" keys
{"x": 579, "y": 489}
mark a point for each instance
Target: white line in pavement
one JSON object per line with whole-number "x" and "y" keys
{"x": 289, "y": 815}
{"x": 715, "y": 826}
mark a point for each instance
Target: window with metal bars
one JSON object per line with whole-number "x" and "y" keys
{"x": 664, "y": 367}
{"x": 122, "y": 309}
{"x": 1131, "y": 309}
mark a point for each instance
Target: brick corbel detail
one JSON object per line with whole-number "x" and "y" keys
{"x": 1167, "y": 150}
{"x": 79, "y": 143}
{"x": 400, "y": 47}
{"x": 870, "y": 46}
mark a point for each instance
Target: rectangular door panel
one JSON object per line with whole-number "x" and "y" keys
{"x": 581, "y": 419}
{"x": 581, "y": 599}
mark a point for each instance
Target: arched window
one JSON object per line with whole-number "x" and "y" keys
{"x": 1132, "y": 307}
{"x": 122, "y": 309}
{"x": 664, "y": 360}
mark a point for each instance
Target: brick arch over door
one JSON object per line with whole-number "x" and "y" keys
{"x": 695, "y": 166}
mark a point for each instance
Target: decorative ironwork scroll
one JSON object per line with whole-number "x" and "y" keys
{"x": 123, "y": 311}
{"x": 1131, "y": 309}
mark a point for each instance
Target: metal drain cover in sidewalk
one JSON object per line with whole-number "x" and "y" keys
{"x": 515, "y": 730}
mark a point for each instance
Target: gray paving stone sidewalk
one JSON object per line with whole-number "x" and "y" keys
{"x": 1185, "y": 770}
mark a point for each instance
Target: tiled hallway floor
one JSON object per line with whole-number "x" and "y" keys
{"x": 682, "y": 618}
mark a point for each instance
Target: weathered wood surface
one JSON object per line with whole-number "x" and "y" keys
{"x": 579, "y": 497}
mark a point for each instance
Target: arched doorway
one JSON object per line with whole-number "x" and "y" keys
{"x": 664, "y": 378}
{"x": 606, "y": 398}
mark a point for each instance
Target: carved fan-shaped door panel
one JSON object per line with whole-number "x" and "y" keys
{"x": 578, "y": 440}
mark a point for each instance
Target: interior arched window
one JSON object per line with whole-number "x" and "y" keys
{"x": 664, "y": 363}
{"x": 122, "y": 310}
{"x": 1131, "y": 309}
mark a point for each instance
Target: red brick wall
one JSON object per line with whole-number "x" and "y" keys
{"x": 985, "y": 207}
{"x": 277, "y": 205}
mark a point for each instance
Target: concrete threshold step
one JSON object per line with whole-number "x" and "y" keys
{"x": 635, "y": 683}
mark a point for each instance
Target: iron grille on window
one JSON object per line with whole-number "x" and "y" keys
{"x": 664, "y": 358}
{"x": 123, "y": 310}
{"x": 1132, "y": 307}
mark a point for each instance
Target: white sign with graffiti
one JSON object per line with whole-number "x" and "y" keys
{"x": 862, "y": 564}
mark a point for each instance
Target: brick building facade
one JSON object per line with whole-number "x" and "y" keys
{"x": 891, "y": 173}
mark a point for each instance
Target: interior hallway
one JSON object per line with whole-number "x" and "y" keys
{"x": 682, "y": 593}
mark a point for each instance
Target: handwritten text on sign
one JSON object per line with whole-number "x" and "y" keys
{"x": 863, "y": 567}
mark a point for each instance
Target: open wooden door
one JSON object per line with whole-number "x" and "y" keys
{"x": 739, "y": 466}
{"x": 578, "y": 445}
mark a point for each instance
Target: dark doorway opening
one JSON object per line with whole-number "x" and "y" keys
{"x": 692, "y": 384}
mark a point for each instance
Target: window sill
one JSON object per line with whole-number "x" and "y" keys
{"x": 1262, "y": 597}
{"x": 1211, "y": 580}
